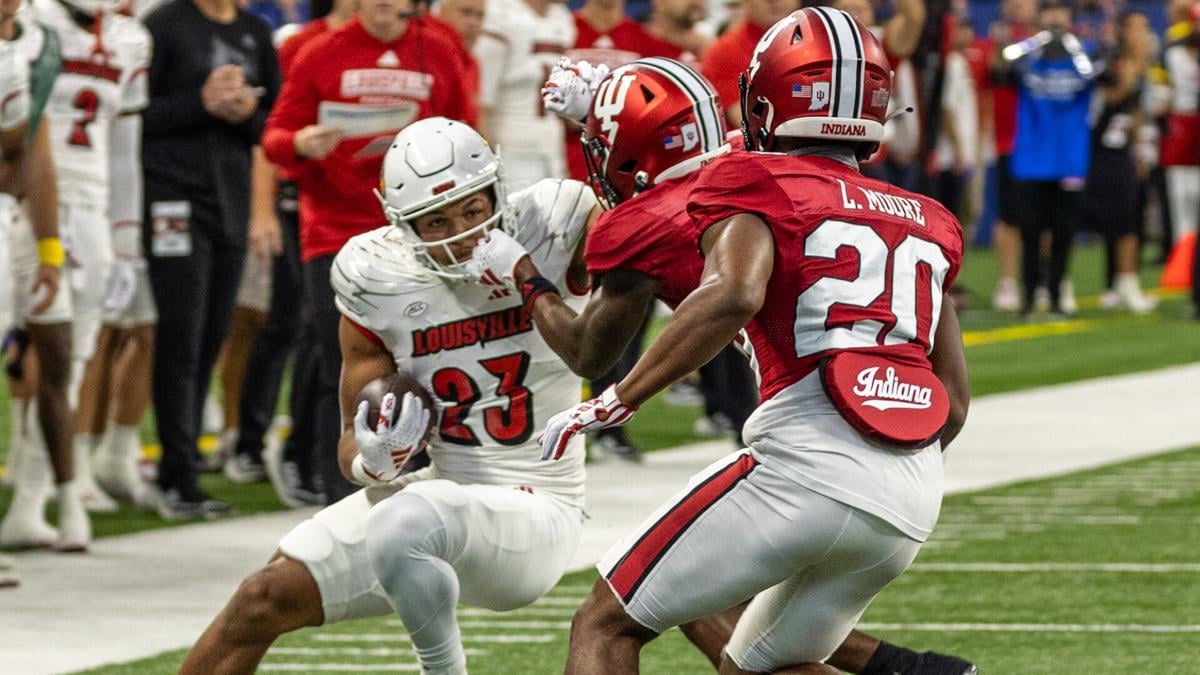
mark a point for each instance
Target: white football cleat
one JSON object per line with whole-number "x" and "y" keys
{"x": 75, "y": 527}
{"x": 1066, "y": 298}
{"x": 93, "y": 498}
{"x": 25, "y": 523}
{"x": 1007, "y": 297}
{"x": 1130, "y": 293}
{"x": 116, "y": 464}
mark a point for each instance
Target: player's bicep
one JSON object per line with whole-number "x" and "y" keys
{"x": 739, "y": 258}
{"x": 364, "y": 358}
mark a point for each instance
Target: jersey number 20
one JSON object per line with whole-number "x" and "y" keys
{"x": 829, "y": 314}
{"x": 507, "y": 425}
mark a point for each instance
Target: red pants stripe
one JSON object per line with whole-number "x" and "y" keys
{"x": 636, "y": 564}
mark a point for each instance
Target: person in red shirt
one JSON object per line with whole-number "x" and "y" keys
{"x": 843, "y": 465}
{"x": 727, "y": 57}
{"x": 379, "y": 72}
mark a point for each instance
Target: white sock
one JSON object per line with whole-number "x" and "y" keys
{"x": 126, "y": 441}
{"x": 16, "y": 438}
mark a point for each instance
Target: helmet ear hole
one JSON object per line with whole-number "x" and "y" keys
{"x": 649, "y": 95}
{"x": 628, "y": 166}
{"x": 797, "y": 35}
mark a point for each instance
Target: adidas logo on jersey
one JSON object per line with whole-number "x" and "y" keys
{"x": 388, "y": 60}
{"x": 889, "y": 392}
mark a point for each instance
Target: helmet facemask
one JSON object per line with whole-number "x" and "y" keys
{"x": 433, "y": 164}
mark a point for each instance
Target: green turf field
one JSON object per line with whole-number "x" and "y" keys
{"x": 1094, "y": 573}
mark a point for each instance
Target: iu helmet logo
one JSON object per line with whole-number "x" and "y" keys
{"x": 610, "y": 101}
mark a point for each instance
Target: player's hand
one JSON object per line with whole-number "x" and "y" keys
{"x": 266, "y": 237}
{"x": 219, "y": 87}
{"x": 45, "y": 287}
{"x": 603, "y": 412}
{"x": 568, "y": 91}
{"x": 495, "y": 258}
{"x": 385, "y": 450}
{"x": 122, "y": 283}
{"x": 316, "y": 141}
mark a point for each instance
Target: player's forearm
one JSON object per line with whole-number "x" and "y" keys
{"x": 42, "y": 186}
{"x": 950, "y": 365}
{"x": 704, "y": 324}
{"x": 262, "y": 186}
{"x": 568, "y": 335}
{"x": 347, "y": 450}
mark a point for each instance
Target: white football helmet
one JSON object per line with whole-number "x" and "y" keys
{"x": 433, "y": 163}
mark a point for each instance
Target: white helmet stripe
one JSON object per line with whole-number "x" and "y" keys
{"x": 848, "y": 62}
{"x": 699, "y": 90}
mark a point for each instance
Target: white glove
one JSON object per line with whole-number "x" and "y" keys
{"x": 122, "y": 284}
{"x": 568, "y": 91}
{"x": 495, "y": 258}
{"x": 604, "y": 412}
{"x": 385, "y": 450}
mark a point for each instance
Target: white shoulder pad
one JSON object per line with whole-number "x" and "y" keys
{"x": 553, "y": 216}
{"x": 131, "y": 38}
{"x": 375, "y": 277}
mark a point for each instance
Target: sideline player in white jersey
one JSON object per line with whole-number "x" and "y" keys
{"x": 487, "y": 523}
{"x": 14, "y": 122}
{"x": 40, "y": 441}
{"x": 95, "y": 128}
{"x": 521, "y": 42}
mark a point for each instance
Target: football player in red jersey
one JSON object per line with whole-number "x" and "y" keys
{"x": 669, "y": 125}
{"x": 839, "y": 282}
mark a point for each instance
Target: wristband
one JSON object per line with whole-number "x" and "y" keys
{"x": 534, "y": 287}
{"x": 361, "y": 475}
{"x": 50, "y": 252}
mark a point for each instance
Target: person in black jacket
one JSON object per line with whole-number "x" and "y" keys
{"x": 213, "y": 79}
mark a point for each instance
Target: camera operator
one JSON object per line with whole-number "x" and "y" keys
{"x": 1054, "y": 78}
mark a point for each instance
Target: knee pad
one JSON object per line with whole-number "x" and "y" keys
{"x": 402, "y": 528}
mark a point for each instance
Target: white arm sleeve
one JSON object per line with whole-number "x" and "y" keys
{"x": 125, "y": 185}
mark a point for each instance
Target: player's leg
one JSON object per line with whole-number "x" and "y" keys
{"x": 806, "y": 617}
{"x": 95, "y": 394}
{"x": 86, "y": 232}
{"x": 320, "y": 575}
{"x": 694, "y": 557}
{"x": 279, "y": 598}
{"x": 120, "y": 450}
{"x": 235, "y": 353}
{"x": 437, "y": 543}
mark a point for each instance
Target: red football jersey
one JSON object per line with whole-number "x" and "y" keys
{"x": 859, "y": 264}
{"x": 651, "y": 234}
{"x": 353, "y": 70}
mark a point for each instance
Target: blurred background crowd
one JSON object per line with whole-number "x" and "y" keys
{"x": 242, "y": 144}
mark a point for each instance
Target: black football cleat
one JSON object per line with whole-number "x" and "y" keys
{"x": 933, "y": 663}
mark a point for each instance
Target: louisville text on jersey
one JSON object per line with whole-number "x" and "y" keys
{"x": 476, "y": 330}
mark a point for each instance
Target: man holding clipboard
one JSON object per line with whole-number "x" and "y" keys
{"x": 346, "y": 95}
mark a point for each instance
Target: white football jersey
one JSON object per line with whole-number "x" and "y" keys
{"x": 474, "y": 347}
{"x": 1184, "y": 74}
{"x": 14, "y": 87}
{"x": 515, "y": 53}
{"x": 102, "y": 77}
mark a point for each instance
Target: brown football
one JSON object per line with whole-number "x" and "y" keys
{"x": 398, "y": 384}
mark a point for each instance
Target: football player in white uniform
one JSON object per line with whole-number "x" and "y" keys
{"x": 95, "y": 127}
{"x": 521, "y": 42}
{"x": 40, "y": 437}
{"x": 487, "y": 523}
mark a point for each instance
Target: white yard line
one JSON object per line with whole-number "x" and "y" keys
{"x": 1133, "y": 568}
{"x": 1029, "y": 627}
{"x": 138, "y": 595}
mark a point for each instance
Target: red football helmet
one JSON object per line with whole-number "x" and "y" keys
{"x": 650, "y": 120}
{"x": 817, "y": 73}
